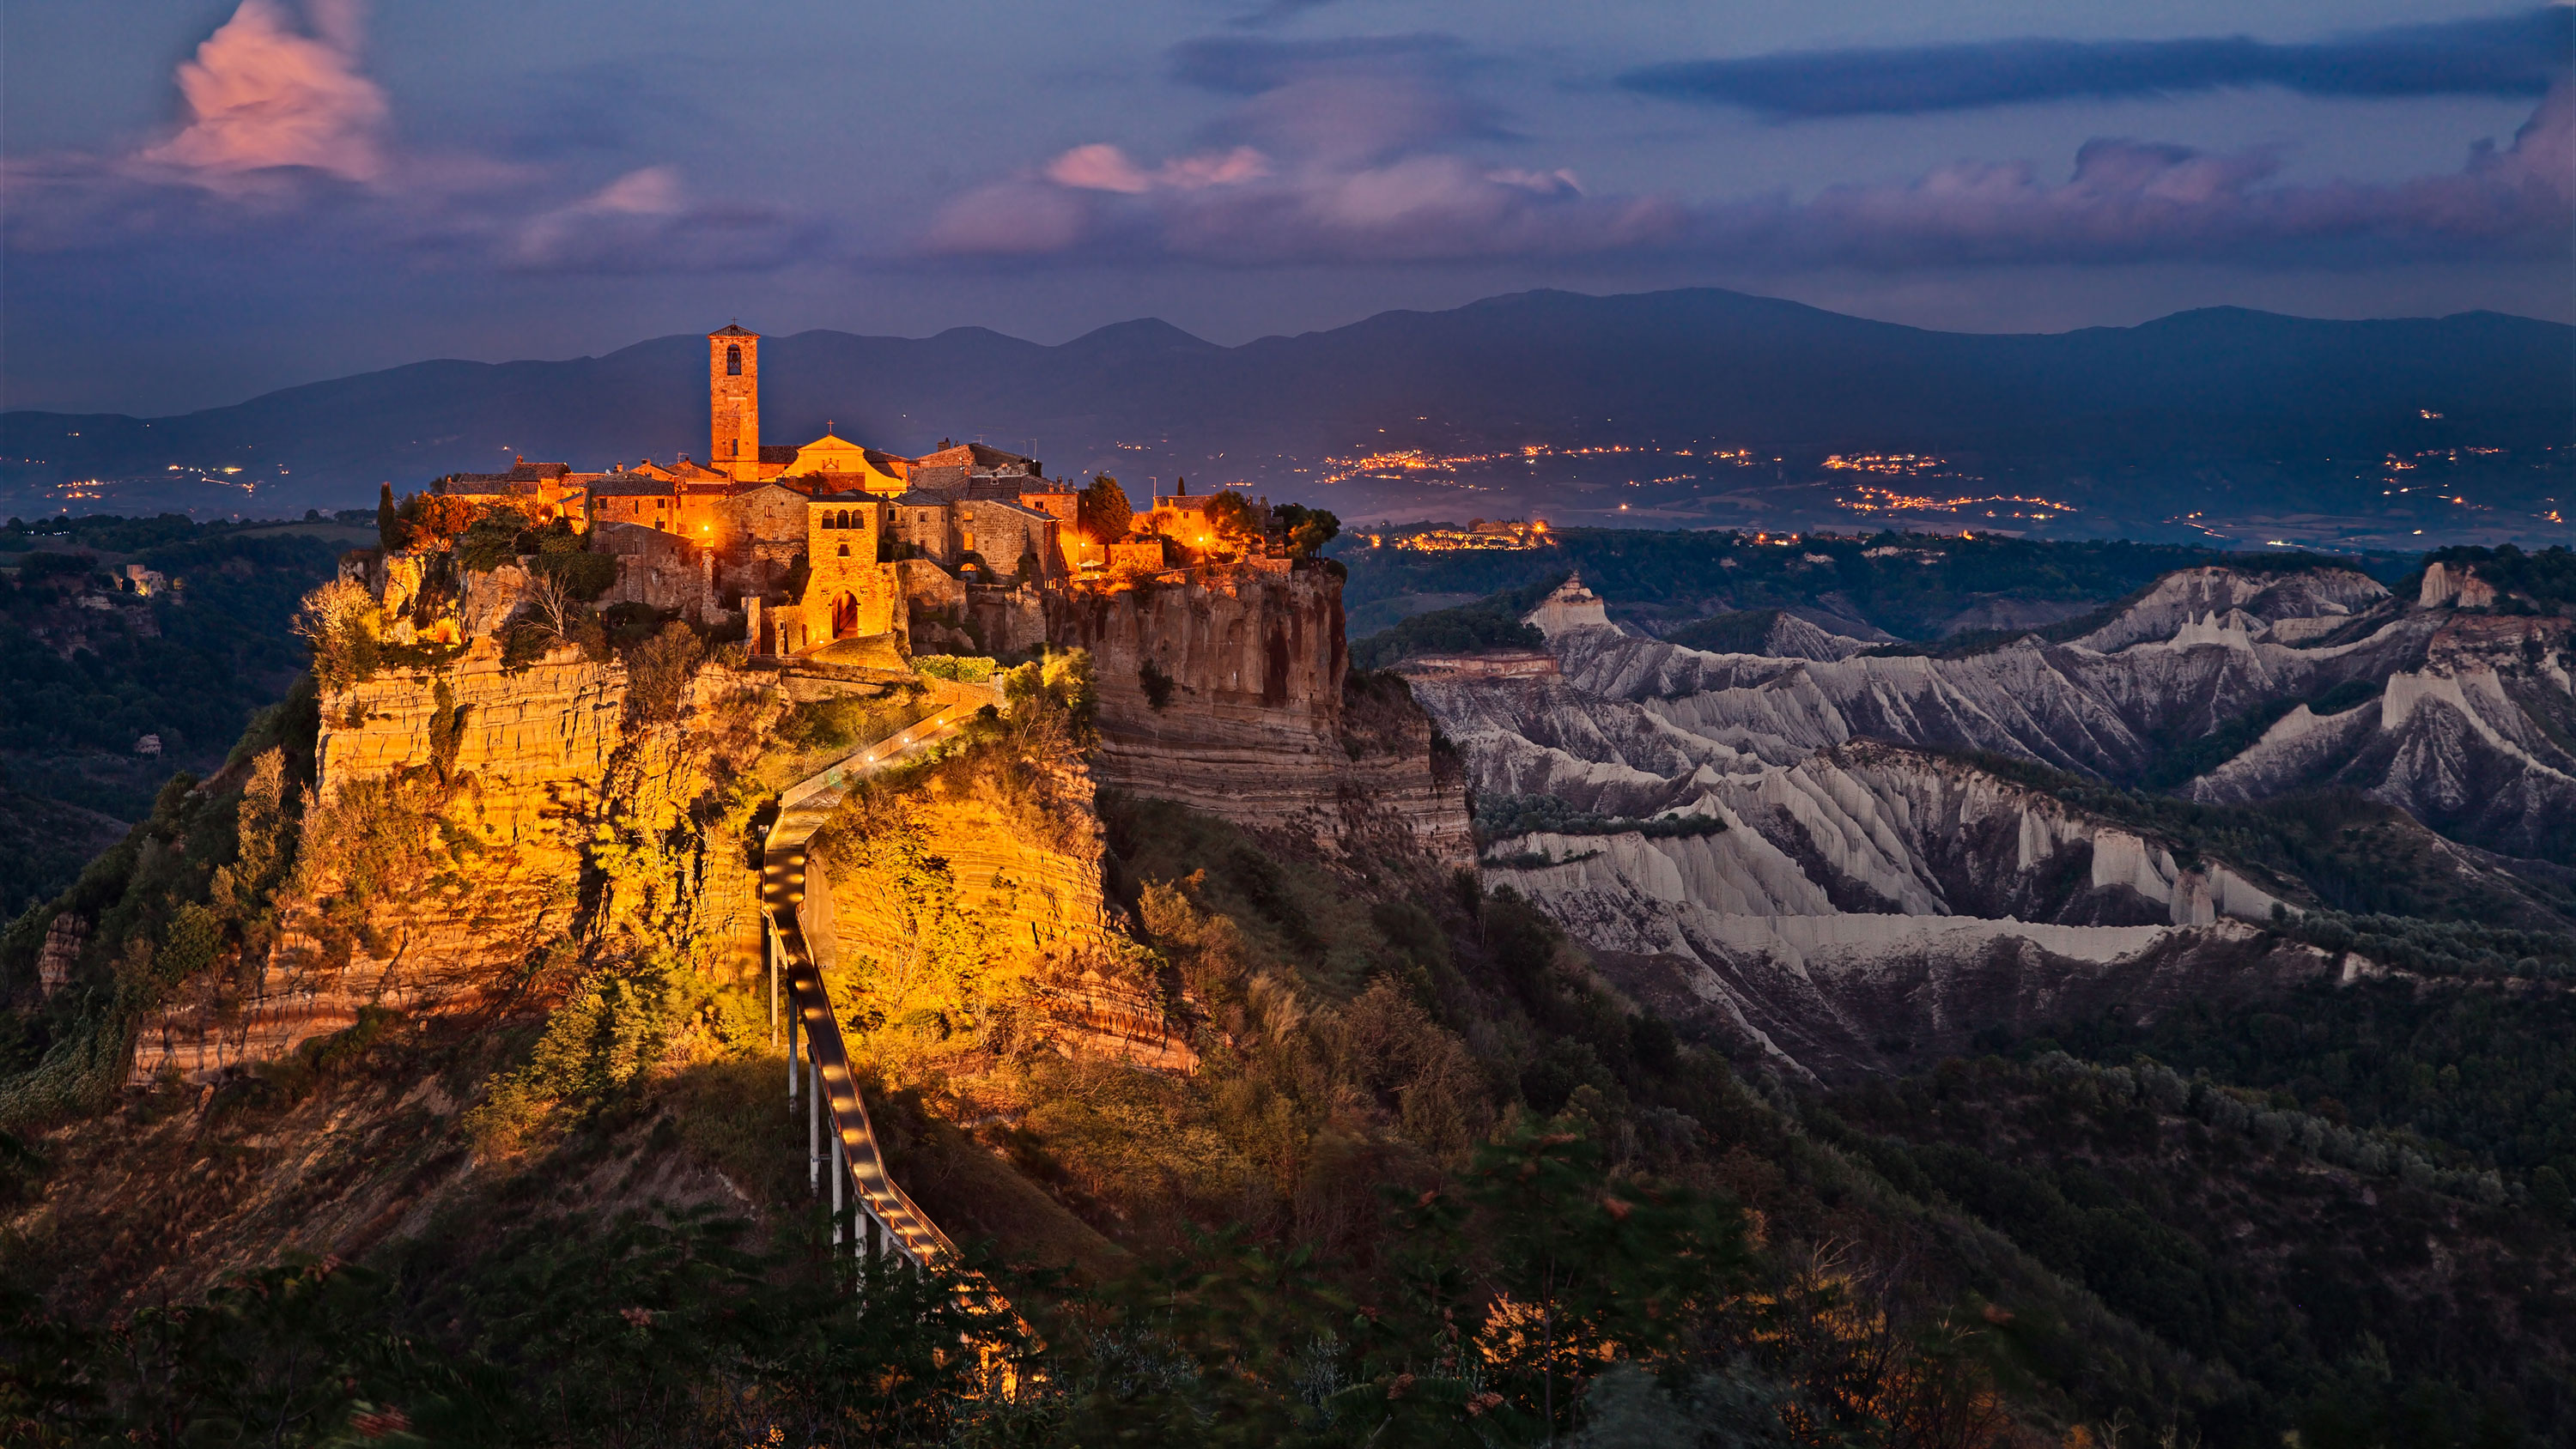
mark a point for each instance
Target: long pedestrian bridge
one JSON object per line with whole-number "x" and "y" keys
{"x": 841, "y": 1144}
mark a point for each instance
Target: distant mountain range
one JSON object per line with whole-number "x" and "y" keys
{"x": 1666, "y": 375}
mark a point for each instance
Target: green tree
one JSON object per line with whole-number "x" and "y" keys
{"x": 390, "y": 532}
{"x": 1304, "y": 530}
{"x": 1103, "y": 510}
{"x": 1237, "y": 523}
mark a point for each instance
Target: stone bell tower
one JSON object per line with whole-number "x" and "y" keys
{"x": 733, "y": 401}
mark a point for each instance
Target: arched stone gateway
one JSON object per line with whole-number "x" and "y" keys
{"x": 845, "y": 616}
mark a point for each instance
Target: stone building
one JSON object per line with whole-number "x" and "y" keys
{"x": 1152, "y": 553}
{"x": 884, "y": 537}
{"x": 849, "y": 592}
{"x": 1178, "y": 516}
{"x": 543, "y": 491}
{"x": 847, "y": 465}
{"x": 1002, "y": 532}
{"x": 655, "y": 568}
{"x": 925, "y": 524}
{"x": 764, "y": 521}
{"x": 638, "y": 498}
{"x": 1055, "y": 501}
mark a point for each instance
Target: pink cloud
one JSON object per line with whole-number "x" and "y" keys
{"x": 278, "y": 115}
{"x": 1372, "y": 185}
{"x": 644, "y": 222}
{"x": 1099, "y": 167}
{"x": 262, "y": 94}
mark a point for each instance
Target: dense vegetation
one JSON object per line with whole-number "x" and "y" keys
{"x": 2189, "y": 759}
{"x": 1744, "y": 631}
{"x": 1501, "y": 817}
{"x": 79, "y": 685}
{"x": 2240, "y": 1247}
{"x": 2479, "y": 1073}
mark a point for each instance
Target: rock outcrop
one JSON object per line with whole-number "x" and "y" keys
{"x": 465, "y": 805}
{"x": 2472, "y": 741}
{"x": 1849, "y": 854}
{"x": 1226, "y": 694}
{"x": 477, "y": 821}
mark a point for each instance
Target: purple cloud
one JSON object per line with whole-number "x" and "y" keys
{"x": 643, "y": 222}
{"x": 1371, "y": 184}
{"x": 2518, "y": 55}
{"x": 2133, "y": 201}
{"x": 1336, "y": 157}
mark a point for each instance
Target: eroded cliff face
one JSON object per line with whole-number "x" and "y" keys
{"x": 1857, "y": 883}
{"x": 1248, "y": 662}
{"x": 1228, "y": 695}
{"x": 2474, "y": 740}
{"x": 1869, "y": 828}
{"x": 482, "y": 828}
{"x": 532, "y": 744}
{"x": 472, "y": 824}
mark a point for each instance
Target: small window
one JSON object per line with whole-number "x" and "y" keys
{"x": 845, "y": 550}
{"x": 733, "y": 360}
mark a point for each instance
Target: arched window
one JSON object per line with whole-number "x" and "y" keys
{"x": 733, "y": 360}
{"x": 845, "y": 518}
{"x": 827, "y": 519}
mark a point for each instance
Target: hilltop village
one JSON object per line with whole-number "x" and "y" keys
{"x": 1211, "y": 625}
{"x": 805, "y": 546}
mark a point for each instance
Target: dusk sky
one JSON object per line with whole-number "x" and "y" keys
{"x": 207, "y": 199}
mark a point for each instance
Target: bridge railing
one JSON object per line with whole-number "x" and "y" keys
{"x": 842, "y": 1148}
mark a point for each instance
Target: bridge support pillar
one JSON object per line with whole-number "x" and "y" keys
{"x": 814, "y": 1129}
{"x": 840, "y": 1174}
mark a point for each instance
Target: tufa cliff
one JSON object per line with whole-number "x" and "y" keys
{"x": 1233, "y": 694}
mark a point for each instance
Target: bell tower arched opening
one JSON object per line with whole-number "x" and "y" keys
{"x": 733, "y": 400}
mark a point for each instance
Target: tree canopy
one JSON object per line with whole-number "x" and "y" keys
{"x": 1104, "y": 511}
